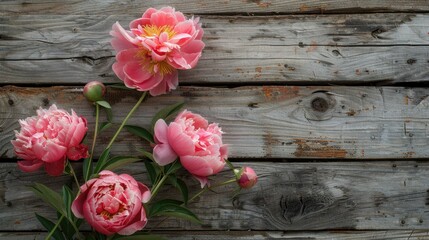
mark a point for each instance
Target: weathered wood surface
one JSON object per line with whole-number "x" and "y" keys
{"x": 390, "y": 48}
{"x": 289, "y": 196}
{"x": 262, "y": 122}
{"x": 260, "y": 235}
{"x": 102, "y": 7}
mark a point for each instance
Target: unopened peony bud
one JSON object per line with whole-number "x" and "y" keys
{"x": 248, "y": 178}
{"x": 94, "y": 91}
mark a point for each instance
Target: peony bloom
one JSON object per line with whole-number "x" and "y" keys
{"x": 197, "y": 143}
{"x": 158, "y": 43}
{"x": 48, "y": 138}
{"x": 248, "y": 178}
{"x": 112, "y": 203}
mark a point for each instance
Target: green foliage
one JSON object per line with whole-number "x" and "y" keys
{"x": 140, "y": 132}
{"x": 50, "y": 226}
{"x": 102, "y": 160}
{"x": 181, "y": 186}
{"x": 173, "y": 208}
{"x": 88, "y": 169}
{"x": 104, "y": 104}
{"x": 166, "y": 112}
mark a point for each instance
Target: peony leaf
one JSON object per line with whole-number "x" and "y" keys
{"x": 147, "y": 154}
{"x": 104, "y": 104}
{"x": 140, "y": 132}
{"x": 174, "y": 208}
{"x": 166, "y": 113}
{"x": 49, "y": 196}
{"x": 87, "y": 169}
{"x": 119, "y": 161}
{"x": 109, "y": 114}
{"x": 66, "y": 227}
{"x": 67, "y": 200}
{"x": 139, "y": 236}
{"x": 173, "y": 167}
{"x": 181, "y": 186}
{"x": 49, "y": 226}
{"x": 151, "y": 171}
{"x": 103, "y": 126}
{"x": 119, "y": 86}
{"x": 102, "y": 160}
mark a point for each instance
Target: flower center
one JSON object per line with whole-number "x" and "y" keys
{"x": 159, "y": 46}
{"x": 151, "y": 31}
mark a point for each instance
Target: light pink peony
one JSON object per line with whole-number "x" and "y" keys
{"x": 158, "y": 43}
{"x": 112, "y": 203}
{"x": 48, "y": 138}
{"x": 248, "y": 178}
{"x": 197, "y": 143}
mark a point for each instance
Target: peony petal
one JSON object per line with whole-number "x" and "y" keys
{"x": 163, "y": 19}
{"x": 136, "y": 73}
{"x": 136, "y": 225}
{"x": 159, "y": 89}
{"x": 77, "y": 205}
{"x": 55, "y": 168}
{"x": 160, "y": 131}
{"x": 203, "y": 181}
{"x": 197, "y": 165}
{"x": 29, "y": 165}
{"x": 163, "y": 154}
{"x": 139, "y": 22}
{"x": 181, "y": 143}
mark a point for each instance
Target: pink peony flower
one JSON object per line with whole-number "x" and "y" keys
{"x": 158, "y": 43}
{"x": 48, "y": 138}
{"x": 112, "y": 203}
{"x": 248, "y": 178}
{"x": 197, "y": 143}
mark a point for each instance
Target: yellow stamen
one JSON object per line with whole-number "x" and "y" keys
{"x": 154, "y": 31}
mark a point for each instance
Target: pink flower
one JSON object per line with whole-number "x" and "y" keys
{"x": 248, "y": 178}
{"x": 197, "y": 143}
{"x": 158, "y": 43}
{"x": 48, "y": 138}
{"x": 112, "y": 203}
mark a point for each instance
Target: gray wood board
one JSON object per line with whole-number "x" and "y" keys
{"x": 101, "y": 7}
{"x": 260, "y": 235}
{"x": 260, "y": 122}
{"x": 288, "y": 196}
{"x": 352, "y": 49}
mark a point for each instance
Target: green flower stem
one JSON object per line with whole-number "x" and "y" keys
{"x": 55, "y": 227}
{"x": 97, "y": 116}
{"x": 212, "y": 187}
{"x": 74, "y": 176}
{"x": 126, "y": 119}
{"x": 157, "y": 186}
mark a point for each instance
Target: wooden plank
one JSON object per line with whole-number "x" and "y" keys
{"x": 276, "y": 64}
{"x": 289, "y": 196}
{"x": 292, "y": 49}
{"x": 101, "y": 7}
{"x": 265, "y": 122}
{"x": 260, "y": 235}
{"x": 71, "y": 36}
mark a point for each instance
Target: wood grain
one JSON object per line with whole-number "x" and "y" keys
{"x": 288, "y": 196}
{"x": 101, "y": 7}
{"x": 260, "y": 235}
{"x": 387, "y": 48}
{"x": 261, "y": 122}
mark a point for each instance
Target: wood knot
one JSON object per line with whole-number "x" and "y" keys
{"x": 319, "y": 104}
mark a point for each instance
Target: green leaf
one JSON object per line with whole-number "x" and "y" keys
{"x": 104, "y": 125}
{"x": 147, "y": 154}
{"x": 119, "y": 86}
{"x": 151, "y": 171}
{"x": 119, "y": 161}
{"x": 102, "y": 160}
{"x": 104, "y": 104}
{"x": 166, "y": 112}
{"x": 49, "y": 196}
{"x": 87, "y": 169}
{"x": 49, "y": 226}
{"x": 139, "y": 236}
{"x": 67, "y": 200}
{"x": 173, "y": 167}
{"x": 181, "y": 186}
{"x": 140, "y": 132}
{"x": 170, "y": 207}
{"x": 66, "y": 227}
{"x": 109, "y": 114}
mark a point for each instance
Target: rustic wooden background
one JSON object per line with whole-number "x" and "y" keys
{"x": 327, "y": 100}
